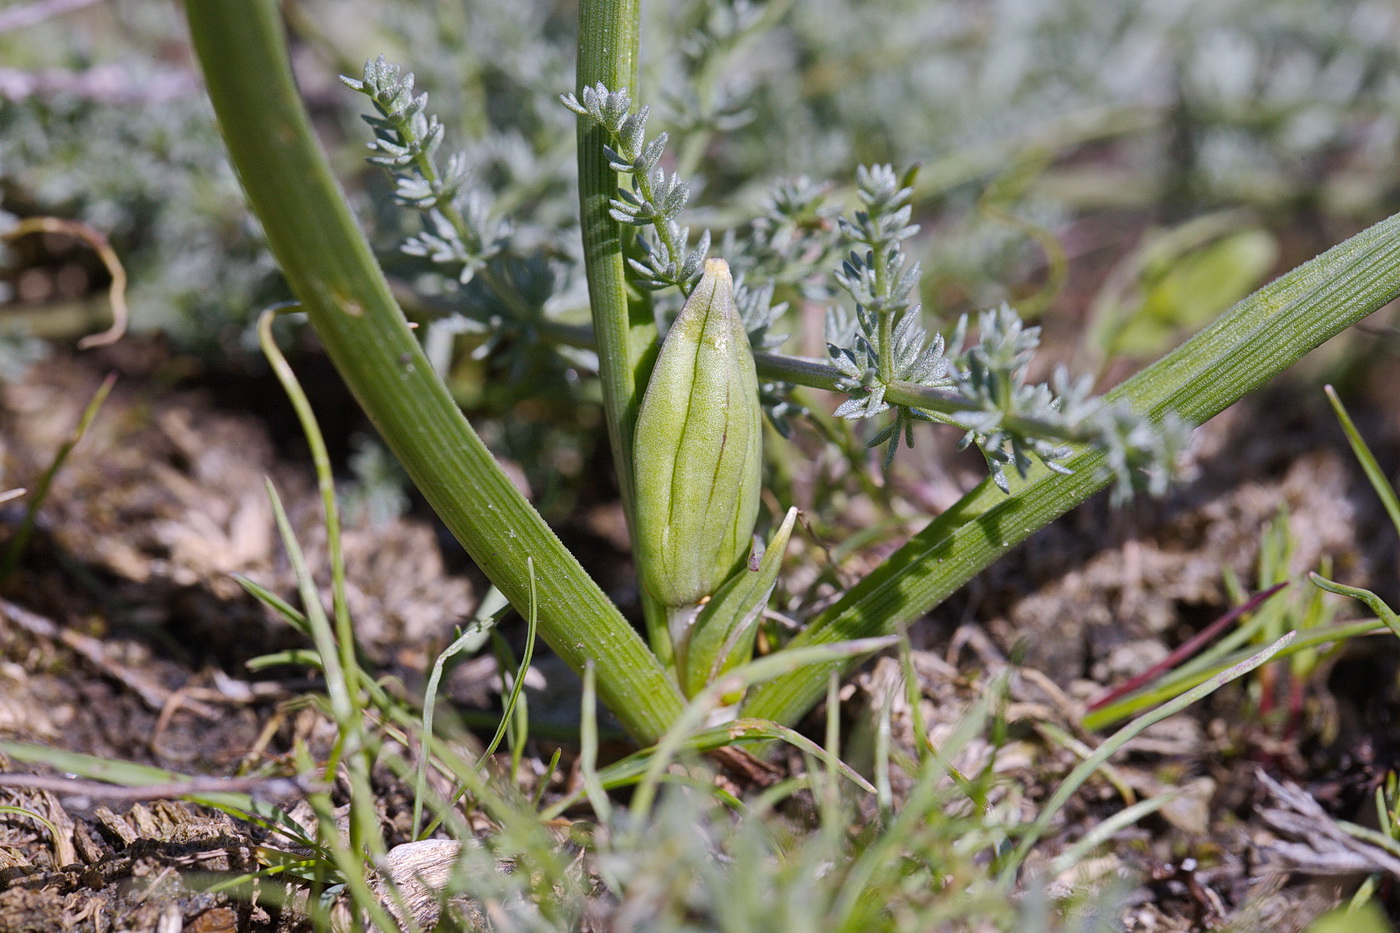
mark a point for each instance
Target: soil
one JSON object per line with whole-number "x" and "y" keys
{"x": 124, "y": 634}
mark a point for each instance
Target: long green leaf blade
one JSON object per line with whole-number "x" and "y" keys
{"x": 1248, "y": 345}
{"x": 330, "y": 268}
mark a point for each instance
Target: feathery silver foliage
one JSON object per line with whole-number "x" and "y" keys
{"x": 655, "y": 198}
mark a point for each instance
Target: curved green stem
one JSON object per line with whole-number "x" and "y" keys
{"x": 330, "y": 268}
{"x": 325, "y": 483}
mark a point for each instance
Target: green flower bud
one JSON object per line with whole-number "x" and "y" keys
{"x": 697, "y": 452}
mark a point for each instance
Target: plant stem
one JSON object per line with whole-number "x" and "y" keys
{"x": 423, "y": 163}
{"x": 607, "y": 52}
{"x": 330, "y": 268}
{"x": 625, "y": 332}
{"x": 816, "y": 374}
{"x": 674, "y": 249}
{"x": 880, "y": 264}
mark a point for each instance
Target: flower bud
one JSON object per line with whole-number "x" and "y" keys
{"x": 697, "y": 452}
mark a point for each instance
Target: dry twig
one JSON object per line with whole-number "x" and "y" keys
{"x": 262, "y": 788}
{"x": 92, "y": 650}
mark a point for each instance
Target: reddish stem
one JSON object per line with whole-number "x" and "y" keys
{"x": 1186, "y": 648}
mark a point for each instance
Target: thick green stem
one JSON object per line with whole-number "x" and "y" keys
{"x": 607, "y": 53}
{"x": 624, "y": 331}
{"x": 1248, "y": 345}
{"x": 331, "y": 270}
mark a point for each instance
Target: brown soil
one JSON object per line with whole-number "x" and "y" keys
{"x": 124, "y": 635}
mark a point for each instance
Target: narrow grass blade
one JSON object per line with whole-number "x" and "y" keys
{"x": 1367, "y": 834}
{"x": 342, "y": 705}
{"x": 1111, "y": 745}
{"x": 293, "y": 657}
{"x": 926, "y": 796}
{"x": 325, "y": 483}
{"x": 518, "y": 684}
{"x": 884, "y": 793}
{"x": 588, "y": 750}
{"x": 831, "y": 787}
{"x": 469, "y": 642}
{"x": 1185, "y": 649}
{"x": 1175, "y": 683}
{"x": 1379, "y": 482}
{"x": 289, "y": 613}
{"x": 1366, "y": 597}
{"x": 513, "y": 698}
{"x": 1110, "y": 774}
{"x": 1106, "y": 829}
{"x": 545, "y": 778}
{"x": 923, "y": 744}
{"x": 56, "y": 838}
{"x": 41, "y": 489}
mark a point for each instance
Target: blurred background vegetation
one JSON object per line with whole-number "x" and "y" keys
{"x": 1124, "y": 170}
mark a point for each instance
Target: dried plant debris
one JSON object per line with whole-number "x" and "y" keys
{"x": 1099, "y": 592}
{"x": 165, "y": 496}
{"x": 163, "y": 500}
{"x": 1311, "y": 842}
{"x": 112, "y": 871}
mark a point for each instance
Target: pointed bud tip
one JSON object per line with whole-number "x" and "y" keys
{"x": 716, "y": 267}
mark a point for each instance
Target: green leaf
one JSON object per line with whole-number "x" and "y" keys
{"x": 724, "y": 631}
{"x": 1359, "y": 447}
{"x": 1196, "y": 288}
{"x": 1367, "y": 919}
{"x": 1245, "y": 348}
